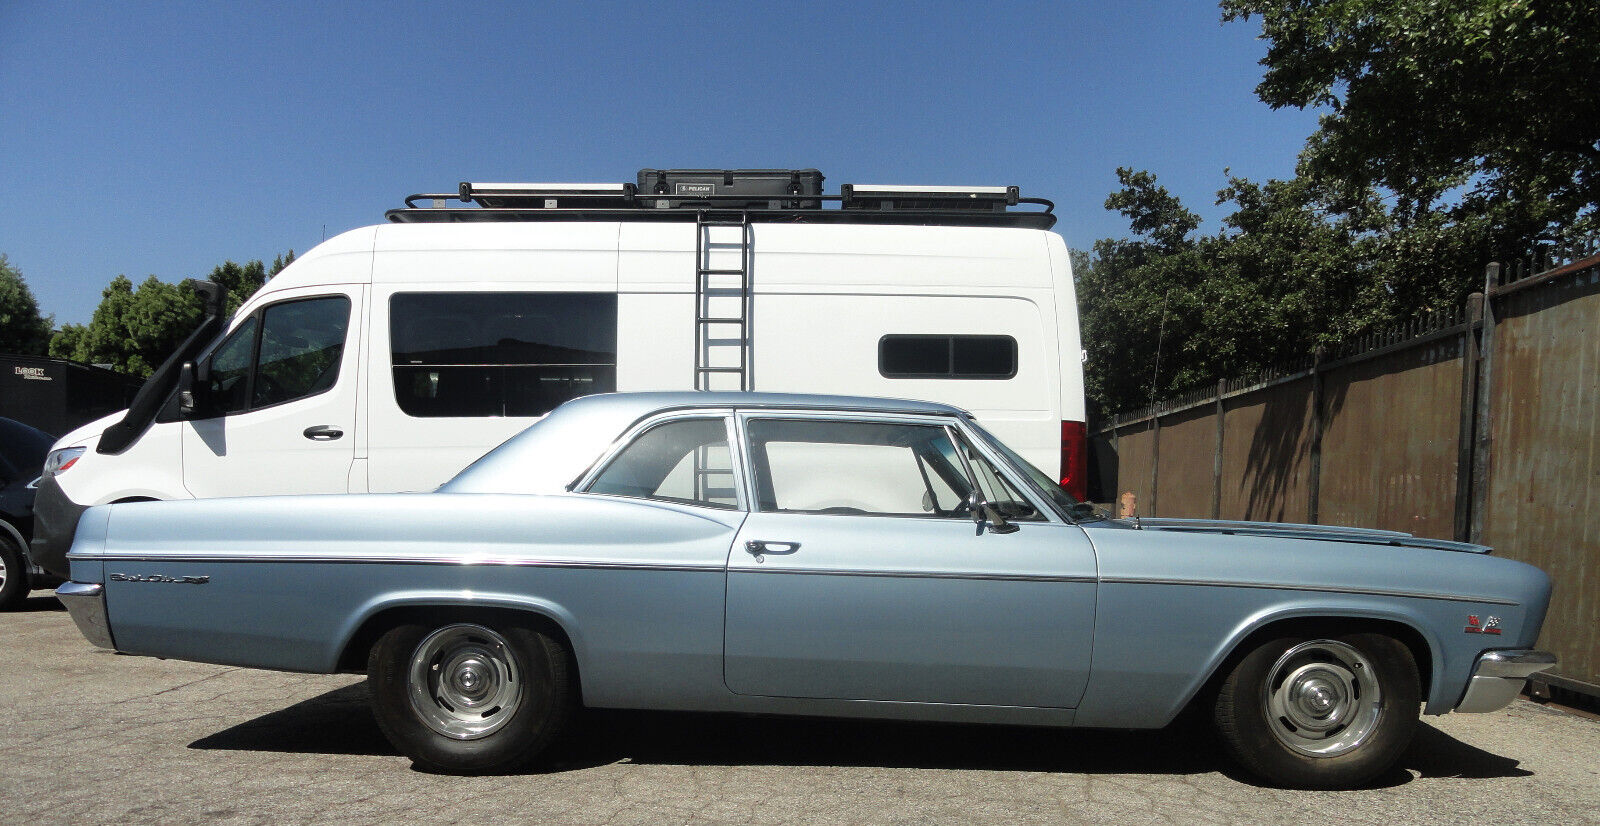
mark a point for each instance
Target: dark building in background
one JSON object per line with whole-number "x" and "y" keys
{"x": 56, "y": 395}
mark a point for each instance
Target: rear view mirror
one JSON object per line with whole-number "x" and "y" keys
{"x": 986, "y": 516}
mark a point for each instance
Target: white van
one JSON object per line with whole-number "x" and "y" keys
{"x": 389, "y": 357}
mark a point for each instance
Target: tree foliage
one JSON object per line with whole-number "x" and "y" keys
{"x": 1500, "y": 98}
{"x": 22, "y": 329}
{"x": 1453, "y": 135}
{"x": 134, "y": 330}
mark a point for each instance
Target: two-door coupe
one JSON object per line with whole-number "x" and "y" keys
{"x": 811, "y": 555}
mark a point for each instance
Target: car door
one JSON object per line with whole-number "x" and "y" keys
{"x": 861, "y": 575}
{"x": 276, "y": 414}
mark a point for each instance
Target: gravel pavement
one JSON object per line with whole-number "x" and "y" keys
{"x": 88, "y": 736}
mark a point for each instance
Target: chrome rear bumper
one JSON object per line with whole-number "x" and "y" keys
{"x": 1499, "y": 676}
{"x": 86, "y": 602}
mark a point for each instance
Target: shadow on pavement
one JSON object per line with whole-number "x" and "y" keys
{"x": 1436, "y": 754}
{"x": 40, "y": 601}
{"x": 340, "y": 722}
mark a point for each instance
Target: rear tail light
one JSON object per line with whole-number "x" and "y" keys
{"x": 1075, "y": 460}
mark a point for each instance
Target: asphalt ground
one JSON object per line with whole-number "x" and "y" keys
{"x": 88, "y": 736}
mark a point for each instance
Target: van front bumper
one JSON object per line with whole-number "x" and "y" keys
{"x": 86, "y": 602}
{"x": 1499, "y": 677}
{"x": 55, "y": 520}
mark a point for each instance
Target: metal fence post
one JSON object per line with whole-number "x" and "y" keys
{"x": 1470, "y": 367}
{"x": 1216, "y": 464}
{"x": 1482, "y": 441}
{"x": 1318, "y": 424}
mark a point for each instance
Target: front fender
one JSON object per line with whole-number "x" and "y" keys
{"x": 1149, "y": 664}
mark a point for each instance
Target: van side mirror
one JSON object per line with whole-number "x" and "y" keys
{"x": 986, "y": 515}
{"x": 191, "y": 376}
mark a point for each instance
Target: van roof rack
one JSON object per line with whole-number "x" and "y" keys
{"x": 765, "y": 195}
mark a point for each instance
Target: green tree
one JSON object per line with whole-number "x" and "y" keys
{"x": 134, "y": 330}
{"x": 22, "y": 329}
{"x": 1492, "y": 102}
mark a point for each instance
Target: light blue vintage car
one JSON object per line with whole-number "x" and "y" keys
{"x": 811, "y": 555}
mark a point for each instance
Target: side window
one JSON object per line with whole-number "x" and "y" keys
{"x": 290, "y": 351}
{"x": 995, "y": 489}
{"x": 230, "y": 371}
{"x": 301, "y": 342}
{"x": 947, "y": 357}
{"x": 685, "y": 460}
{"x": 845, "y": 467}
{"x": 500, "y": 354}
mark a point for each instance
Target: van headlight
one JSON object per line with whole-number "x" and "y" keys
{"x": 58, "y": 461}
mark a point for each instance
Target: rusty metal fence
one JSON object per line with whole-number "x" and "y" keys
{"x": 1482, "y": 426}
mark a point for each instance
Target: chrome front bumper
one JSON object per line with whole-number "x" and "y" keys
{"x": 86, "y": 602}
{"x": 1499, "y": 677}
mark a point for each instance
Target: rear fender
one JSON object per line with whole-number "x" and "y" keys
{"x": 431, "y": 599}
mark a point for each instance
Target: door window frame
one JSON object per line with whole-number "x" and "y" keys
{"x": 259, "y": 315}
{"x": 955, "y": 431}
{"x": 742, "y": 497}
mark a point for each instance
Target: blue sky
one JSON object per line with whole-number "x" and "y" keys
{"x": 165, "y": 138}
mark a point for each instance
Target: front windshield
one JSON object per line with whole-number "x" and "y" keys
{"x": 1041, "y": 481}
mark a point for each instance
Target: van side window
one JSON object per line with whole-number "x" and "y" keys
{"x": 289, "y": 351}
{"x": 947, "y": 357}
{"x": 500, "y": 353}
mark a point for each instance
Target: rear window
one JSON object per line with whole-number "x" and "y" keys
{"x": 500, "y": 354}
{"x": 947, "y": 357}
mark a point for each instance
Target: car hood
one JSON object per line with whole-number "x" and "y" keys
{"x": 1285, "y": 530}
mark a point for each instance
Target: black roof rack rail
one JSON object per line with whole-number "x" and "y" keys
{"x": 692, "y": 197}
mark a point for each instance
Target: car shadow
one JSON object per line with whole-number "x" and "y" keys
{"x": 340, "y": 722}
{"x": 39, "y": 601}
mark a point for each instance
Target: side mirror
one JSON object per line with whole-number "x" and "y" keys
{"x": 186, "y": 389}
{"x": 986, "y": 516}
{"x": 191, "y": 376}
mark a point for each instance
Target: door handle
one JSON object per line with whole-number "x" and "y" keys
{"x": 323, "y": 433}
{"x": 758, "y": 547}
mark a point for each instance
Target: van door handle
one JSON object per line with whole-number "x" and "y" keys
{"x": 323, "y": 433}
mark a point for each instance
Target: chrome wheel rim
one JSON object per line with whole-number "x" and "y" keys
{"x": 1322, "y": 698}
{"x": 464, "y": 682}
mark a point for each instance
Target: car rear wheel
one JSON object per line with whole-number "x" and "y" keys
{"x": 13, "y": 574}
{"x": 470, "y": 698}
{"x": 1320, "y": 713}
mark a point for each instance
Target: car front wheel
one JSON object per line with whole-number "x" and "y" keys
{"x": 13, "y": 574}
{"x": 1320, "y": 713}
{"x": 470, "y": 698}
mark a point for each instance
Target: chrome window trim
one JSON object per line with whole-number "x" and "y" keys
{"x": 638, "y": 428}
{"x": 943, "y": 421}
{"x": 1013, "y": 476}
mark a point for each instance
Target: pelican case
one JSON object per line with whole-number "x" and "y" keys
{"x": 732, "y": 188}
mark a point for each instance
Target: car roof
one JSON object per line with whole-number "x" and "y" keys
{"x": 549, "y": 455}
{"x": 649, "y": 403}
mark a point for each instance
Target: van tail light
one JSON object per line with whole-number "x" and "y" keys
{"x": 1075, "y": 460}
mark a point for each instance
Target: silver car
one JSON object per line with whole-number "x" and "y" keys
{"x": 811, "y": 555}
